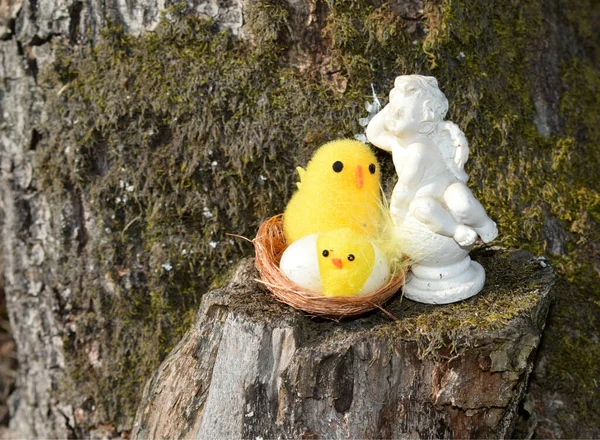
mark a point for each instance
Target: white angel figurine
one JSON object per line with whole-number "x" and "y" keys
{"x": 429, "y": 156}
{"x": 435, "y": 212}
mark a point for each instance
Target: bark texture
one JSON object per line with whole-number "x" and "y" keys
{"x": 251, "y": 367}
{"x": 38, "y": 310}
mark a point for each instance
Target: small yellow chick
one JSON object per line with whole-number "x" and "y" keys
{"x": 340, "y": 188}
{"x": 336, "y": 263}
{"x": 350, "y": 264}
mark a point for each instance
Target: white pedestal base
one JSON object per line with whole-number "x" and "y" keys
{"x": 442, "y": 271}
{"x": 444, "y": 284}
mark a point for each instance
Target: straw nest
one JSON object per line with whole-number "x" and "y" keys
{"x": 270, "y": 244}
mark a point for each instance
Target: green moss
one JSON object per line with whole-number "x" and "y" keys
{"x": 573, "y": 349}
{"x": 512, "y": 289}
{"x": 174, "y": 139}
{"x": 267, "y": 25}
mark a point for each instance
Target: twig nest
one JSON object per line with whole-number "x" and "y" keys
{"x": 270, "y": 245}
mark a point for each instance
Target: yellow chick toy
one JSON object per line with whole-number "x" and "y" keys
{"x": 350, "y": 264}
{"x": 336, "y": 263}
{"x": 338, "y": 189}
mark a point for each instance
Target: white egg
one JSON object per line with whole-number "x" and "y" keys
{"x": 380, "y": 275}
{"x": 300, "y": 263}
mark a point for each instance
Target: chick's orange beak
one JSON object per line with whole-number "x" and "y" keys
{"x": 337, "y": 262}
{"x": 360, "y": 179}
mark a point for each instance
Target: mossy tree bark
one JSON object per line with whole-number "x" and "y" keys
{"x": 130, "y": 145}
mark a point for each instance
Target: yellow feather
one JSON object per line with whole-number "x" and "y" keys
{"x": 301, "y": 173}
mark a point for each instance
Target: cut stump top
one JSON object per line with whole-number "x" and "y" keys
{"x": 253, "y": 367}
{"x": 517, "y": 285}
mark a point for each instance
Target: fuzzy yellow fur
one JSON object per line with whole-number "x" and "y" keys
{"x": 357, "y": 260}
{"x": 327, "y": 200}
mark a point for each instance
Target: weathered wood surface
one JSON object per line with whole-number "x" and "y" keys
{"x": 254, "y": 368}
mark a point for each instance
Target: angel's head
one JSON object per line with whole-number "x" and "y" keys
{"x": 417, "y": 106}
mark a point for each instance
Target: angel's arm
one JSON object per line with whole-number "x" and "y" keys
{"x": 378, "y": 135}
{"x": 410, "y": 168}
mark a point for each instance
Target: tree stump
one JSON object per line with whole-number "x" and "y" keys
{"x": 254, "y": 368}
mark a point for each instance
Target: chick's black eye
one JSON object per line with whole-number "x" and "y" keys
{"x": 325, "y": 253}
{"x": 372, "y": 168}
{"x": 338, "y": 166}
{"x": 350, "y": 257}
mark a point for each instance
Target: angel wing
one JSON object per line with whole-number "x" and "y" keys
{"x": 454, "y": 148}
